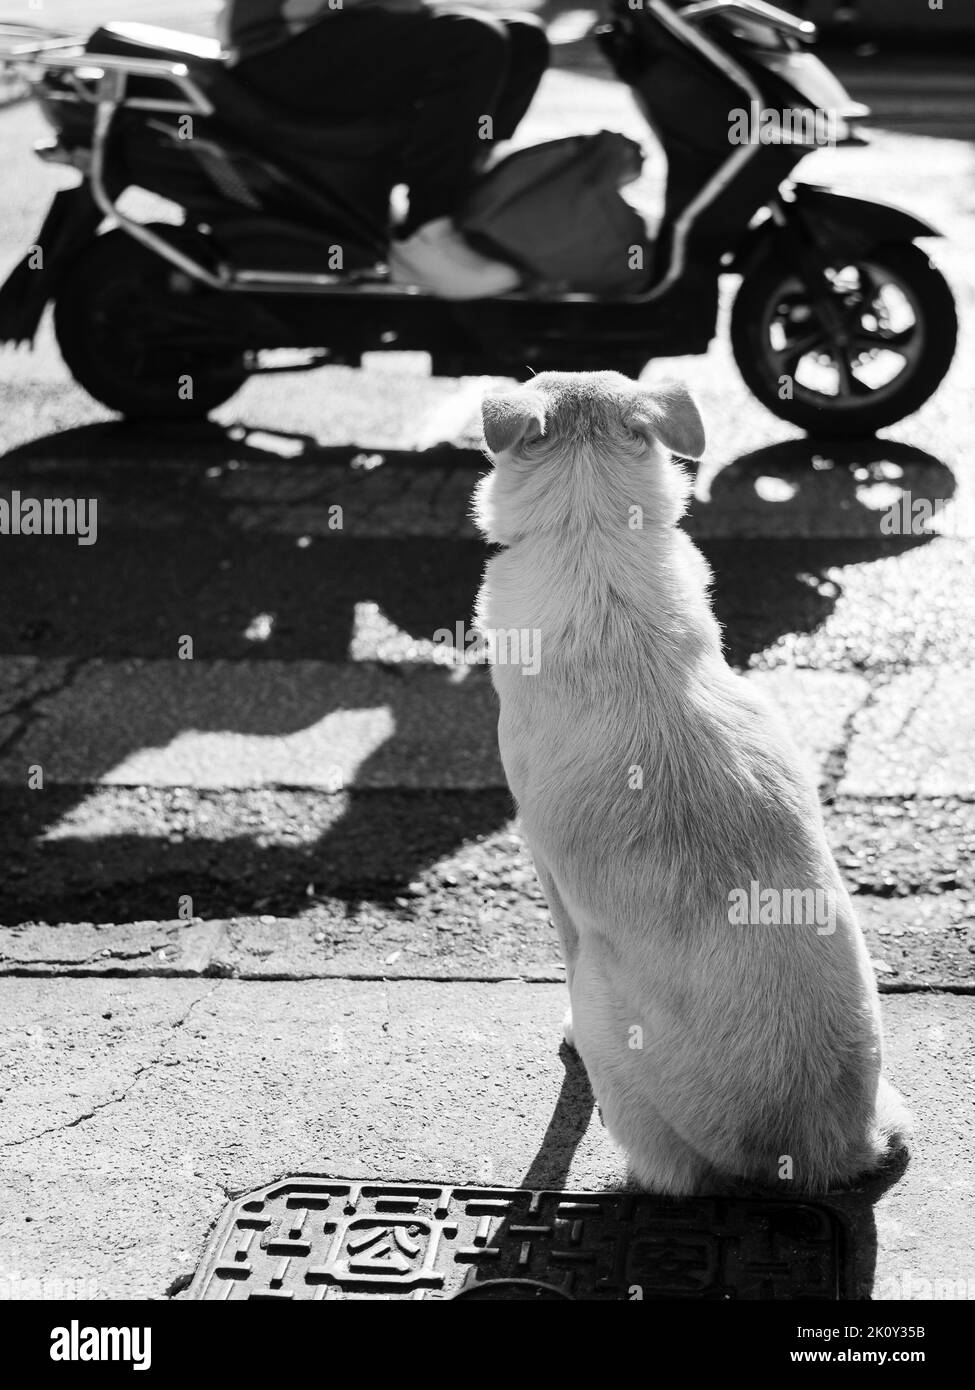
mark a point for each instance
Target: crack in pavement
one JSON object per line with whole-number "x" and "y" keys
{"x": 836, "y": 761}
{"x": 158, "y": 1060}
{"x": 915, "y": 705}
{"x": 24, "y": 710}
{"x": 120, "y": 953}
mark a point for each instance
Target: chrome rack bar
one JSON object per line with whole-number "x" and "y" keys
{"x": 110, "y": 96}
{"x": 758, "y": 10}
{"x": 23, "y": 52}
{"x": 97, "y": 67}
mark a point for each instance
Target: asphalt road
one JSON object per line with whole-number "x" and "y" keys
{"x": 221, "y": 532}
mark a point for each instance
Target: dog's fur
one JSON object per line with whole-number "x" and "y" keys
{"x": 716, "y": 1051}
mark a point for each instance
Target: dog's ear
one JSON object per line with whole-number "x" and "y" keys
{"x": 667, "y": 412}
{"x": 512, "y": 418}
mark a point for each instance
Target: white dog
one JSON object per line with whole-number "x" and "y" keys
{"x": 663, "y": 802}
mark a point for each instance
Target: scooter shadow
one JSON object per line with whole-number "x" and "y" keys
{"x": 137, "y": 589}
{"x": 816, "y": 506}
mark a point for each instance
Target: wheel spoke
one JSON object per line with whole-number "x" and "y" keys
{"x": 870, "y": 338}
{"x": 850, "y": 384}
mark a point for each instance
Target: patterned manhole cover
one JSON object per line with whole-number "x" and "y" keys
{"x": 316, "y": 1238}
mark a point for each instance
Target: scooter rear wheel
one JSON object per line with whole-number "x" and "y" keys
{"x": 142, "y": 337}
{"x": 887, "y": 349}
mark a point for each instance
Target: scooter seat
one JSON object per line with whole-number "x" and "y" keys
{"x": 238, "y": 105}
{"x": 153, "y": 41}
{"x": 341, "y": 171}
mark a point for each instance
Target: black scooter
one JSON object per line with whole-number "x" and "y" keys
{"x": 840, "y": 324}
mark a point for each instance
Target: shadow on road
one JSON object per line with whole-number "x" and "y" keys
{"x": 815, "y": 506}
{"x": 196, "y": 568}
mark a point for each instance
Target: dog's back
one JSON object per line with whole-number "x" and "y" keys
{"x": 654, "y": 785}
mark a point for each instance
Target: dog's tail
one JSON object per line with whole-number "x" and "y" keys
{"x": 893, "y": 1123}
{"x": 833, "y": 1160}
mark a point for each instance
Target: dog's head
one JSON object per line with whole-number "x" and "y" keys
{"x": 585, "y": 449}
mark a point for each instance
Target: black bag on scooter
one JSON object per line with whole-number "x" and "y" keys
{"x": 555, "y": 211}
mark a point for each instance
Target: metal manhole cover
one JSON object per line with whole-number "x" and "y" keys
{"x": 317, "y": 1238}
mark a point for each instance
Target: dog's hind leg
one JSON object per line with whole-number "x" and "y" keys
{"x": 659, "y": 1159}
{"x": 661, "y": 1162}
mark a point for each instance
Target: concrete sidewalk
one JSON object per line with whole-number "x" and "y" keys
{"x": 134, "y": 1108}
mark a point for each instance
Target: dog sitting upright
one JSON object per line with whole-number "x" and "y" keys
{"x": 674, "y": 828}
